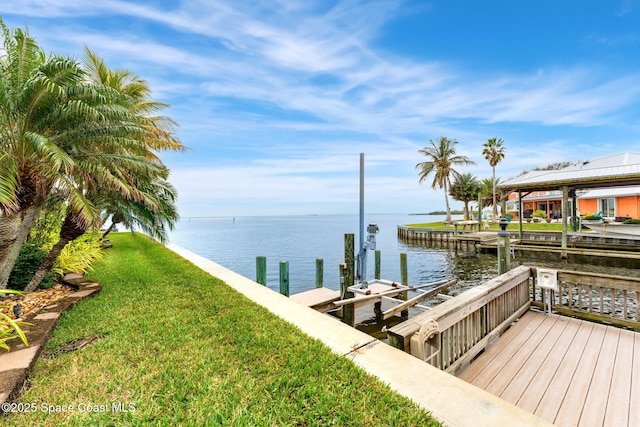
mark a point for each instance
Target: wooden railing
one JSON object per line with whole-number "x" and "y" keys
{"x": 451, "y": 334}
{"x": 599, "y": 297}
{"x": 460, "y": 328}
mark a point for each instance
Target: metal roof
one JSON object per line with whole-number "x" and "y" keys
{"x": 610, "y": 192}
{"x": 612, "y": 171}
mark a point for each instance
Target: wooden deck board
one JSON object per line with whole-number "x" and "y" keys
{"x": 473, "y": 370}
{"x": 617, "y": 412}
{"x": 573, "y": 401}
{"x": 596, "y": 402}
{"x": 634, "y": 408}
{"x": 316, "y": 296}
{"x": 485, "y": 368}
{"x": 550, "y": 403}
{"x": 536, "y": 389}
{"x": 567, "y": 371}
{"x": 514, "y": 364}
{"x": 516, "y": 388}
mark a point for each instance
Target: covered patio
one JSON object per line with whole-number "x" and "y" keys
{"x": 620, "y": 170}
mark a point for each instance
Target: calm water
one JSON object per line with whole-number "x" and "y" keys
{"x": 235, "y": 244}
{"x": 299, "y": 240}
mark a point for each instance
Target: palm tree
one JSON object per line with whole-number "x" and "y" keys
{"x": 153, "y": 221}
{"x": 441, "y": 160}
{"x": 159, "y": 130}
{"x": 154, "y": 214}
{"x": 35, "y": 105}
{"x": 486, "y": 191}
{"x": 494, "y": 152}
{"x": 465, "y": 189}
{"x": 62, "y": 131}
{"x": 127, "y": 179}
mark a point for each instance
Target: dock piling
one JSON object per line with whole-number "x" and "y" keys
{"x": 261, "y": 270}
{"x": 319, "y": 272}
{"x": 404, "y": 281}
{"x": 348, "y": 311}
{"x": 284, "y": 278}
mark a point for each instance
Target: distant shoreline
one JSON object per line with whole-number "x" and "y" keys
{"x": 439, "y": 213}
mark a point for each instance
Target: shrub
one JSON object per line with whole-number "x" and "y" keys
{"x": 592, "y": 217}
{"x": 29, "y": 260}
{"x": 46, "y": 230}
{"x": 539, "y": 214}
{"x": 79, "y": 255}
{"x": 632, "y": 221}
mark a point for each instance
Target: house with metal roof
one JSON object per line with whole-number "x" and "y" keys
{"x": 617, "y": 203}
{"x": 611, "y": 172}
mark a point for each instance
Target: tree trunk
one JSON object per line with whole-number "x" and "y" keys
{"x": 8, "y": 235}
{"x": 29, "y": 219}
{"x": 111, "y": 227}
{"x": 494, "y": 211}
{"x": 46, "y": 265}
{"x": 446, "y": 200}
{"x": 70, "y": 231}
{"x": 466, "y": 211}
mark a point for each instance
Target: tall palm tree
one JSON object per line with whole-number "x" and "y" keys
{"x": 493, "y": 151}
{"x": 465, "y": 189}
{"x": 442, "y": 158}
{"x": 159, "y": 130}
{"x": 486, "y": 191}
{"x": 35, "y": 105}
{"x": 127, "y": 175}
{"x": 58, "y": 127}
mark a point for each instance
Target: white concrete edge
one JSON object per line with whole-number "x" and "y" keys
{"x": 449, "y": 399}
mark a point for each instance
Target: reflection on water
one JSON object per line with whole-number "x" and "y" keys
{"x": 462, "y": 263}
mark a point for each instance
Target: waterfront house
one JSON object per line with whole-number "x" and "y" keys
{"x": 612, "y": 203}
{"x": 549, "y": 202}
{"x": 609, "y": 185}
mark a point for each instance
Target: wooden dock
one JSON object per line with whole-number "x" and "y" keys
{"x": 320, "y": 299}
{"x": 480, "y": 237}
{"x": 324, "y": 299}
{"x": 567, "y": 371}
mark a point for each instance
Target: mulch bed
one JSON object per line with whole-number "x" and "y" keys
{"x": 33, "y": 302}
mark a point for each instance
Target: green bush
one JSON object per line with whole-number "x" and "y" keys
{"x": 632, "y": 221}
{"x": 539, "y": 214}
{"x": 29, "y": 260}
{"x": 46, "y": 231}
{"x": 79, "y": 255}
{"x": 592, "y": 217}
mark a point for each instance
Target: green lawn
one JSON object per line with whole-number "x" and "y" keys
{"x": 182, "y": 348}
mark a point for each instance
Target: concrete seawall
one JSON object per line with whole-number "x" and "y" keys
{"x": 449, "y": 399}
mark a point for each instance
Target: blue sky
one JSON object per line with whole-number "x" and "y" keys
{"x": 276, "y": 99}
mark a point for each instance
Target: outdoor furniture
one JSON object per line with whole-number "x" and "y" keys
{"x": 473, "y": 226}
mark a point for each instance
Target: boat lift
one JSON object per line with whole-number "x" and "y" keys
{"x": 373, "y": 291}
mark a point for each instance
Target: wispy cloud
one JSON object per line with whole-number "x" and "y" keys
{"x": 367, "y": 93}
{"x": 625, "y": 8}
{"x": 282, "y": 95}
